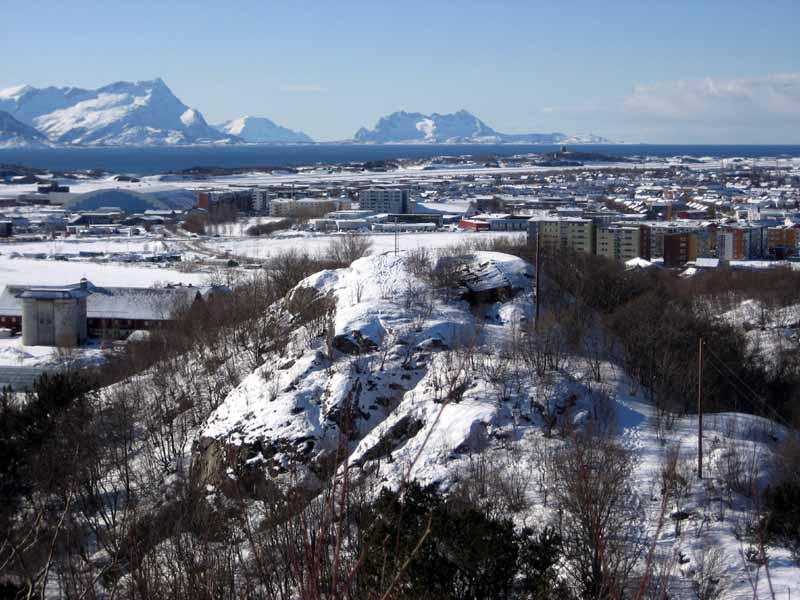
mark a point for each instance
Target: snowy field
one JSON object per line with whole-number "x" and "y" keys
{"x": 23, "y": 271}
{"x": 108, "y": 245}
{"x": 265, "y": 247}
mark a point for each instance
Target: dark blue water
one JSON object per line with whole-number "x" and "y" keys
{"x": 145, "y": 161}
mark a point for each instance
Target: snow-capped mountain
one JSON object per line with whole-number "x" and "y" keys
{"x": 261, "y": 129}
{"x": 123, "y": 113}
{"x": 461, "y": 126}
{"x": 14, "y": 133}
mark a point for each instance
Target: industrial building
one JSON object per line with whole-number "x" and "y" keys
{"x": 54, "y": 316}
{"x": 68, "y": 315}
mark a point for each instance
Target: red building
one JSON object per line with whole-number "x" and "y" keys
{"x": 473, "y": 225}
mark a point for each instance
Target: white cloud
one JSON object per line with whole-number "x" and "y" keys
{"x": 767, "y": 100}
{"x": 758, "y": 110}
{"x": 302, "y": 88}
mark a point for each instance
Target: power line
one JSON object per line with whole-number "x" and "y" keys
{"x": 751, "y": 393}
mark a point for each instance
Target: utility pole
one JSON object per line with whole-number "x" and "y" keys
{"x": 700, "y": 409}
{"x": 538, "y": 271}
{"x": 396, "y": 235}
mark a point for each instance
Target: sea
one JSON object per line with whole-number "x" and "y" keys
{"x": 156, "y": 160}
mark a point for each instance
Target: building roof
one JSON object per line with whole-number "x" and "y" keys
{"x": 638, "y": 263}
{"x": 52, "y": 292}
{"x": 149, "y": 304}
{"x": 707, "y": 263}
{"x": 127, "y": 201}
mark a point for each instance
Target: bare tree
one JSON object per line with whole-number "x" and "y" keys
{"x": 707, "y": 570}
{"x": 344, "y": 249}
{"x": 602, "y": 521}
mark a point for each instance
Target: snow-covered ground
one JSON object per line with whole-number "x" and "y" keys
{"x": 265, "y": 247}
{"x": 106, "y": 245}
{"x": 419, "y": 412}
{"x": 25, "y": 271}
{"x": 14, "y": 354}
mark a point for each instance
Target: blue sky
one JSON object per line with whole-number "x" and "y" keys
{"x": 662, "y": 72}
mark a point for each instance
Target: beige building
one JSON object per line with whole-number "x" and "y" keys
{"x": 563, "y": 233}
{"x": 618, "y": 242}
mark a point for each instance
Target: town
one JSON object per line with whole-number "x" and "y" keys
{"x": 400, "y": 300}
{"x": 736, "y": 210}
{"x": 259, "y": 322}
{"x": 682, "y": 214}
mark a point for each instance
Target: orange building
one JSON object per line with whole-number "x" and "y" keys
{"x": 782, "y": 241}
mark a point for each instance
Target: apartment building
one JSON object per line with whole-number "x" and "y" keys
{"x": 618, "y": 242}
{"x": 680, "y": 248}
{"x": 563, "y": 233}
{"x": 657, "y": 230}
{"x": 742, "y": 242}
{"x": 384, "y": 200}
{"x": 261, "y": 199}
{"x": 306, "y": 208}
{"x": 781, "y": 241}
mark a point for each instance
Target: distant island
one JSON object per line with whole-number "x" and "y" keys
{"x": 456, "y": 128}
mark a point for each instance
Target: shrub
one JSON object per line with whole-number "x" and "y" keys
{"x": 344, "y": 249}
{"x": 432, "y": 549}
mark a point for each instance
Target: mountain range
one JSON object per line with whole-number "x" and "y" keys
{"x": 458, "y": 127}
{"x": 146, "y": 113}
{"x": 138, "y": 113}
{"x": 123, "y": 113}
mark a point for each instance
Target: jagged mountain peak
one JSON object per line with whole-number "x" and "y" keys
{"x": 120, "y": 113}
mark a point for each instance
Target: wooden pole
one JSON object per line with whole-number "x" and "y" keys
{"x": 700, "y": 409}
{"x": 538, "y": 271}
{"x": 396, "y": 235}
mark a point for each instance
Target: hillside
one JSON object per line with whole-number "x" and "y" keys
{"x": 13, "y": 133}
{"x": 295, "y": 417}
{"x": 429, "y": 391}
{"x": 123, "y": 113}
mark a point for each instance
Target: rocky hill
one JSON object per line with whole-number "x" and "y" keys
{"x": 416, "y": 379}
{"x": 292, "y": 408}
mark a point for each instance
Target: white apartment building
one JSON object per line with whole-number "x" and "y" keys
{"x": 306, "y": 207}
{"x": 384, "y": 200}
